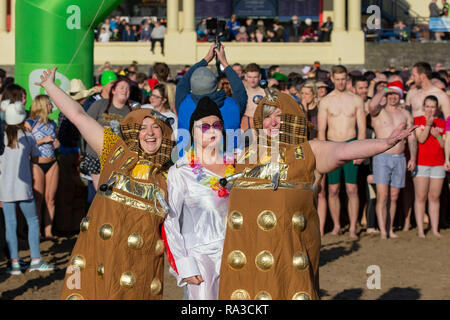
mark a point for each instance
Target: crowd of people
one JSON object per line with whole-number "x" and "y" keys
{"x": 382, "y": 131}
{"x": 269, "y": 30}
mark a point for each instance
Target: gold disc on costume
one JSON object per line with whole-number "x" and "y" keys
{"x": 236, "y": 220}
{"x": 236, "y": 260}
{"x": 75, "y": 296}
{"x": 84, "y": 225}
{"x": 300, "y": 261}
{"x": 159, "y": 248}
{"x": 263, "y": 295}
{"x": 301, "y": 296}
{"x": 266, "y": 220}
{"x": 240, "y": 294}
{"x": 100, "y": 270}
{"x": 299, "y": 221}
{"x": 127, "y": 280}
{"x": 135, "y": 241}
{"x": 155, "y": 286}
{"x": 264, "y": 260}
{"x": 106, "y": 231}
{"x": 78, "y": 261}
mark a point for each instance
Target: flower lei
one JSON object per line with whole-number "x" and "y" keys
{"x": 212, "y": 181}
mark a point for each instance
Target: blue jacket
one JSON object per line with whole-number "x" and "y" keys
{"x": 232, "y": 109}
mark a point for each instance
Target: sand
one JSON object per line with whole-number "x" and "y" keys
{"x": 409, "y": 268}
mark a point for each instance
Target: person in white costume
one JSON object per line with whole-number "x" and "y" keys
{"x": 195, "y": 226}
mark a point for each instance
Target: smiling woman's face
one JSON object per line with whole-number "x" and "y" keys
{"x": 272, "y": 123}
{"x": 150, "y": 136}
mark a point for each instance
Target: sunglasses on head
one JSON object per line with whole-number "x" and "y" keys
{"x": 218, "y": 125}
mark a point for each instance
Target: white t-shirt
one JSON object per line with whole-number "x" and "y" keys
{"x": 16, "y": 182}
{"x": 104, "y": 37}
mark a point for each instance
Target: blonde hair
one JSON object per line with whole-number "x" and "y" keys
{"x": 268, "y": 110}
{"x": 311, "y": 85}
{"x": 39, "y": 107}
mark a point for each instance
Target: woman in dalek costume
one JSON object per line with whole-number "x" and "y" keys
{"x": 119, "y": 251}
{"x": 272, "y": 241}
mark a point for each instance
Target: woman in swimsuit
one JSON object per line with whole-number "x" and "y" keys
{"x": 46, "y": 171}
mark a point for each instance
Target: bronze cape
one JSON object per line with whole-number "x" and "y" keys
{"x": 272, "y": 242}
{"x": 119, "y": 251}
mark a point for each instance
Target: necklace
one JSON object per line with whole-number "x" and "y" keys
{"x": 211, "y": 181}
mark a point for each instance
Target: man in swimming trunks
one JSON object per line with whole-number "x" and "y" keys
{"x": 389, "y": 168}
{"x": 342, "y": 118}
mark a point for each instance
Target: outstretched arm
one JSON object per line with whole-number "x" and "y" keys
{"x": 332, "y": 155}
{"x": 90, "y": 129}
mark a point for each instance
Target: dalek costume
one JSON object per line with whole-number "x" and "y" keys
{"x": 272, "y": 241}
{"x": 119, "y": 251}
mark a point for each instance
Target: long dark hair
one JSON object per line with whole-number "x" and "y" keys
{"x": 14, "y": 93}
{"x": 113, "y": 87}
{"x": 12, "y": 132}
{"x": 161, "y": 87}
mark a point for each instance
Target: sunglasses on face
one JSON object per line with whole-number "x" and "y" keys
{"x": 218, "y": 125}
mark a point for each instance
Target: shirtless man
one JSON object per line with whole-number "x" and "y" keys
{"x": 421, "y": 75}
{"x": 251, "y": 83}
{"x": 389, "y": 168}
{"x": 342, "y": 112}
{"x": 361, "y": 88}
{"x": 252, "y": 77}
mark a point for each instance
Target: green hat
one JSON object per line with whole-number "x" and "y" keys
{"x": 107, "y": 77}
{"x": 279, "y": 76}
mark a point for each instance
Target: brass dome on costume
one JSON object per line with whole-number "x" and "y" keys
{"x": 156, "y": 286}
{"x": 263, "y": 295}
{"x": 106, "y": 231}
{"x": 240, "y": 294}
{"x": 84, "y": 224}
{"x": 135, "y": 241}
{"x": 75, "y": 296}
{"x": 237, "y": 260}
{"x": 127, "y": 280}
{"x": 264, "y": 260}
{"x": 159, "y": 247}
{"x": 236, "y": 220}
{"x": 100, "y": 270}
{"x": 294, "y": 123}
{"x": 301, "y": 296}
{"x": 299, "y": 221}
{"x": 266, "y": 220}
{"x": 78, "y": 261}
{"x": 300, "y": 261}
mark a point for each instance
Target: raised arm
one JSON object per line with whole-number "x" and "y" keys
{"x": 375, "y": 104}
{"x": 89, "y": 128}
{"x": 332, "y": 155}
{"x": 239, "y": 92}
{"x": 184, "y": 85}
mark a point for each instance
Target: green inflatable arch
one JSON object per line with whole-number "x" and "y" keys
{"x": 57, "y": 33}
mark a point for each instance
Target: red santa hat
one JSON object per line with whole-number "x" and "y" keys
{"x": 397, "y": 86}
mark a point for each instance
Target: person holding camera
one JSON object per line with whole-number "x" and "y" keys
{"x": 199, "y": 82}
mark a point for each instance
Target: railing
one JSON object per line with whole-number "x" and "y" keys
{"x": 390, "y": 35}
{"x": 394, "y": 10}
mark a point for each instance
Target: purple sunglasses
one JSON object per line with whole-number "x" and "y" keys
{"x": 218, "y": 125}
